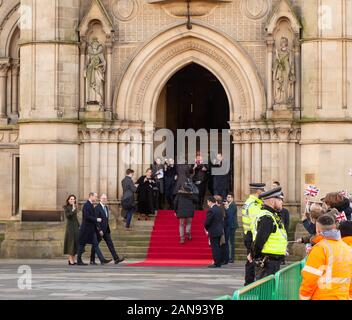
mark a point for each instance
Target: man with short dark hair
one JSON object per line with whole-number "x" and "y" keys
{"x": 214, "y": 225}
{"x": 127, "y": 201}
{"x": 88, "y": 230}
{"x": 230, "y": 226}
{"x": 328, "y": 271}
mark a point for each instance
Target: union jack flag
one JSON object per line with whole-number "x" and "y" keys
{"x": 345, "y": 194}
{"x": 312, "y": 191}
{"x": 341, "y": 217}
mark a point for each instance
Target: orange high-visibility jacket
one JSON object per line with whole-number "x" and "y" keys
{"x": 327, "y": 274}
{"x": 348, "y": 240}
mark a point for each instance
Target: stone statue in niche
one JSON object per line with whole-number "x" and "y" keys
{"x": 284, "y": 74}
{"x": 95, "y": 73}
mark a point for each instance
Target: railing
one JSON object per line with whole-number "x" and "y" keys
{"x": 284, "y": 285}
{"x": 287, "y": 282}
{"x": 260, "y": 290}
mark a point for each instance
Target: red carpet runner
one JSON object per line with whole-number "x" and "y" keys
{"x": 165, "y": 248}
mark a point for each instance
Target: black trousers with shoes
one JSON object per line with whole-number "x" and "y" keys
{"x": 95, "y": 247}
{"x": 216, "y": 250}
{"x": 250, "y": 266}
{"x": 109, "y": 243}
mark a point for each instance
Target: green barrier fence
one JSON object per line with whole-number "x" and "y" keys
{"x": 287, "y": 282}
{"x": 260, "y": 290}
{"x": 224, "y": 298}
{"x": 284, "y": 285}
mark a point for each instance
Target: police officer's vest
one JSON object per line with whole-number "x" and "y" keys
{"x": 277, "y": 242}
{"x": 250, "y": 210}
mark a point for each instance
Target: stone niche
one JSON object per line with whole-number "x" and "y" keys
{"x": 197, "y": 8}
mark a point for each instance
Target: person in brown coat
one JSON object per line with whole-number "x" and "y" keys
{"x": 72, "y": 228}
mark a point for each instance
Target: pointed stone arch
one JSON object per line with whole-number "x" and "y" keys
{"x": 137, "y": 94}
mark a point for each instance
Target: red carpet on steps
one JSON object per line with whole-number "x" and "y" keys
{"x": 165, "y": 248}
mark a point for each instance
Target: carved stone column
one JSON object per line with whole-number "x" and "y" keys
{"x": 82, "y": 86}
{"x": 297, "y": 50}
{"x": 103, "y": 178}
{"x": 108, "y": 75}
{"x": 113, "y": 181}
{"x": 283, "y": 134}
{"x": 292, "y": 160}
{"x": 95, "y": 160}
{"x": 266, "y": 156}
{"x": 270, "y": 46}
{"x": 256, "y": 156}
{"x": 237, "y": 167}
{"x": 246, "y": 162}
{"x": 4, "y": 67}
{"x": 275, "y": 175}
{"x": 14, "y": 81}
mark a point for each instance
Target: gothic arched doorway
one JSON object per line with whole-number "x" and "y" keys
{"x": 194, "y": 98}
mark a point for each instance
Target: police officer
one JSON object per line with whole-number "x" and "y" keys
{"x": 269, "y": 235}
{"x": 250, "y": 210}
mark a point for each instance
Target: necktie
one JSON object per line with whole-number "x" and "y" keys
{"x": 106, "y": 212}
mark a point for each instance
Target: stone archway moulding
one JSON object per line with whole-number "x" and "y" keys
{"x": 137, "y": 94}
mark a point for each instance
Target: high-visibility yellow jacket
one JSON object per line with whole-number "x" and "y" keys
{"x": 328, "y": 272}
{"x": 277, "y": 241}
{"x": 250, "y": 210}
{"x": 347, "y": 240}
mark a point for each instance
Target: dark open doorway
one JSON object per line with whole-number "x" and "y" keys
{"x": 194, "y": 98}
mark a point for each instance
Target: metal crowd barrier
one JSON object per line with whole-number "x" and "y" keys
{"x": 284, "y": 285}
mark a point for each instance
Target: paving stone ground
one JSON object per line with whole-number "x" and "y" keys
{"x": 55, "y": 280}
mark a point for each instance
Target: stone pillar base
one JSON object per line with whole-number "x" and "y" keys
{"x": 33, "y": 240}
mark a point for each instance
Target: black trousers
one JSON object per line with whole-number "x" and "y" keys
{"x": 95, "y": 246}
{"x": 270, "y": 267}
{"x": 230, "y": 244}
{"x": 216, "y": 250}
{"x": 109, "y": 243}
{"x": 201, "y": 188}
{"x": 249, "y": 276}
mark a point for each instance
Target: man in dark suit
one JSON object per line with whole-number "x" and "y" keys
{"x": 102, "y": 212}
{"x": 214, "y": 224}
{"x": 221, "y": 182}
{"x": 88, "y": 231}
{"x": 127, "y": 201}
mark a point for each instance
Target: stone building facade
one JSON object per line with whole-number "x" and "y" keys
{"x": 75, "y": 74}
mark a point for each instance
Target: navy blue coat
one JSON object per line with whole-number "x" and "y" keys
{"x": 104, "y": 224}
{"x": 89, "y": 224}
{"x": 214, "y": 222}
{"x": 231, "y": 216}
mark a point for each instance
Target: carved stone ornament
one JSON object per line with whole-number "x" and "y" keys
{"x": 198, "y": 8}
{"x": 124, "y": 10}
{"x": 255, "y": 9}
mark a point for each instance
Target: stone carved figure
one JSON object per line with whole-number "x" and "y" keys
{"x": 284, "y": 74}
{"x": 95, "y": 72}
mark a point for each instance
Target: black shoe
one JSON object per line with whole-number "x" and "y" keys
{"x": 93, "y": 263}
{"x": 214, "y": 266}
{"x": 71, "y": 264}
{"x": 106, "y": 261}
{"x": 231, "y": 261}
{"x": 117, "y": 261}
{"x": 224, "y": 263}
{"x": 81, "y": 263}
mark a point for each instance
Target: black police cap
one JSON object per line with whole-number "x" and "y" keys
{"x": 273, "y": 193}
